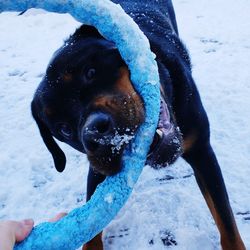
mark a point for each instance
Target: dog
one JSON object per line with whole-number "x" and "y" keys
{"x": 86, "y": 99}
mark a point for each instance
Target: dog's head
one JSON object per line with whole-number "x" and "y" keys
{"x": 86, "y": 99}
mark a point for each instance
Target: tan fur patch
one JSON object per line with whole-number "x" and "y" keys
{"x": 188, "y": 142}
{"x": 48, "y": 111}
{"x": 95, "y": 243}
{"x": 123, "y": 83}
{"x": 227, "y": 241}
{"x": 123, "y": 87}
{"x": 67, "y": 77}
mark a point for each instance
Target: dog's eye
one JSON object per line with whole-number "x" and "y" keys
{"x": 65, "y": 130}
{"x": 90, "y": 74}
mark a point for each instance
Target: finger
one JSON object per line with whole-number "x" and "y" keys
{"x": 7, "y": 237}
{"x": 23, "y": 229}
{"x": 57, "y": 217}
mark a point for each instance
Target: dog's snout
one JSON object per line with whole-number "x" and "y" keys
{"x": 96, "y": 131}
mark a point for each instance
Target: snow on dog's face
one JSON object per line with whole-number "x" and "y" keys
{"x": 86, "y": 100}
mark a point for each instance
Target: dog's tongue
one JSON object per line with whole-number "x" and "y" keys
{"x": 166, "y": 143}
{"x": 164, "y": 118}
{"x": 164, "y": 126}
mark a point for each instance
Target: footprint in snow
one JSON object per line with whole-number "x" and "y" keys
{"x": 121, "y": 233}
{"x": 167, "y": 238}
{"x": 168, "y": 177}
{"x": 16, "y": 72}
{"x": 245, "y": 215}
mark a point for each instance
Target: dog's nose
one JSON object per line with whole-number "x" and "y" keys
{"x": 96, "y": 131}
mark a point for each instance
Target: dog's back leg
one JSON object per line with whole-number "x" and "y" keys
{"x": 209, "y": 178}
{"x": 194, "y": 125}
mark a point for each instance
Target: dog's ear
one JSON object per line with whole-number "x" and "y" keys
{"x": 85, "y": 31}
{"x": 55, "y": 150}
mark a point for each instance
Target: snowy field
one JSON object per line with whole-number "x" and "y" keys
{"x": 166, "y": 205}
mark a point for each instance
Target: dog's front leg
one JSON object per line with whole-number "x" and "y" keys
{"x": 94, "y": 244}
{"x": 94, "y": 179}
{"x": 210, "y": 180}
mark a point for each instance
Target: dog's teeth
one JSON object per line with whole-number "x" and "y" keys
{"x": 159, "y": 132}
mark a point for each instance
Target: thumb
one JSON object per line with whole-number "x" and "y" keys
{"x": 23, "y": 229}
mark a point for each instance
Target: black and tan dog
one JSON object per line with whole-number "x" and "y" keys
{"x": 86, "y": 100}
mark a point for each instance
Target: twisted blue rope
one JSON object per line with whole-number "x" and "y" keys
{"x": 83, "y": 223}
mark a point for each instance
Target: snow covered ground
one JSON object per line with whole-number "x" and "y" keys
{"x": 166, "y": 205}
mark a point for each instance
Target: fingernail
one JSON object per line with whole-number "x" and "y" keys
{"x": 28, "y": 222}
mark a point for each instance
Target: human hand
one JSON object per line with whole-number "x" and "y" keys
{"x": 12, "y": 232}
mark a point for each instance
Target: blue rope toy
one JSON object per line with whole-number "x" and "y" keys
{"x": 83, "y": 223}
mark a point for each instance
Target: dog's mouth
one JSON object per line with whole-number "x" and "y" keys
{"x": 164, "y": 150}
{"x": 166, "y": 145}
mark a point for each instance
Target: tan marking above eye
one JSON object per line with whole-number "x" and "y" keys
{"x": 48, "y": 111}
{"x": 67, "y": 77}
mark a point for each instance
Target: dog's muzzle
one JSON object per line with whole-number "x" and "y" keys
{"x": 99, "y": 137}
